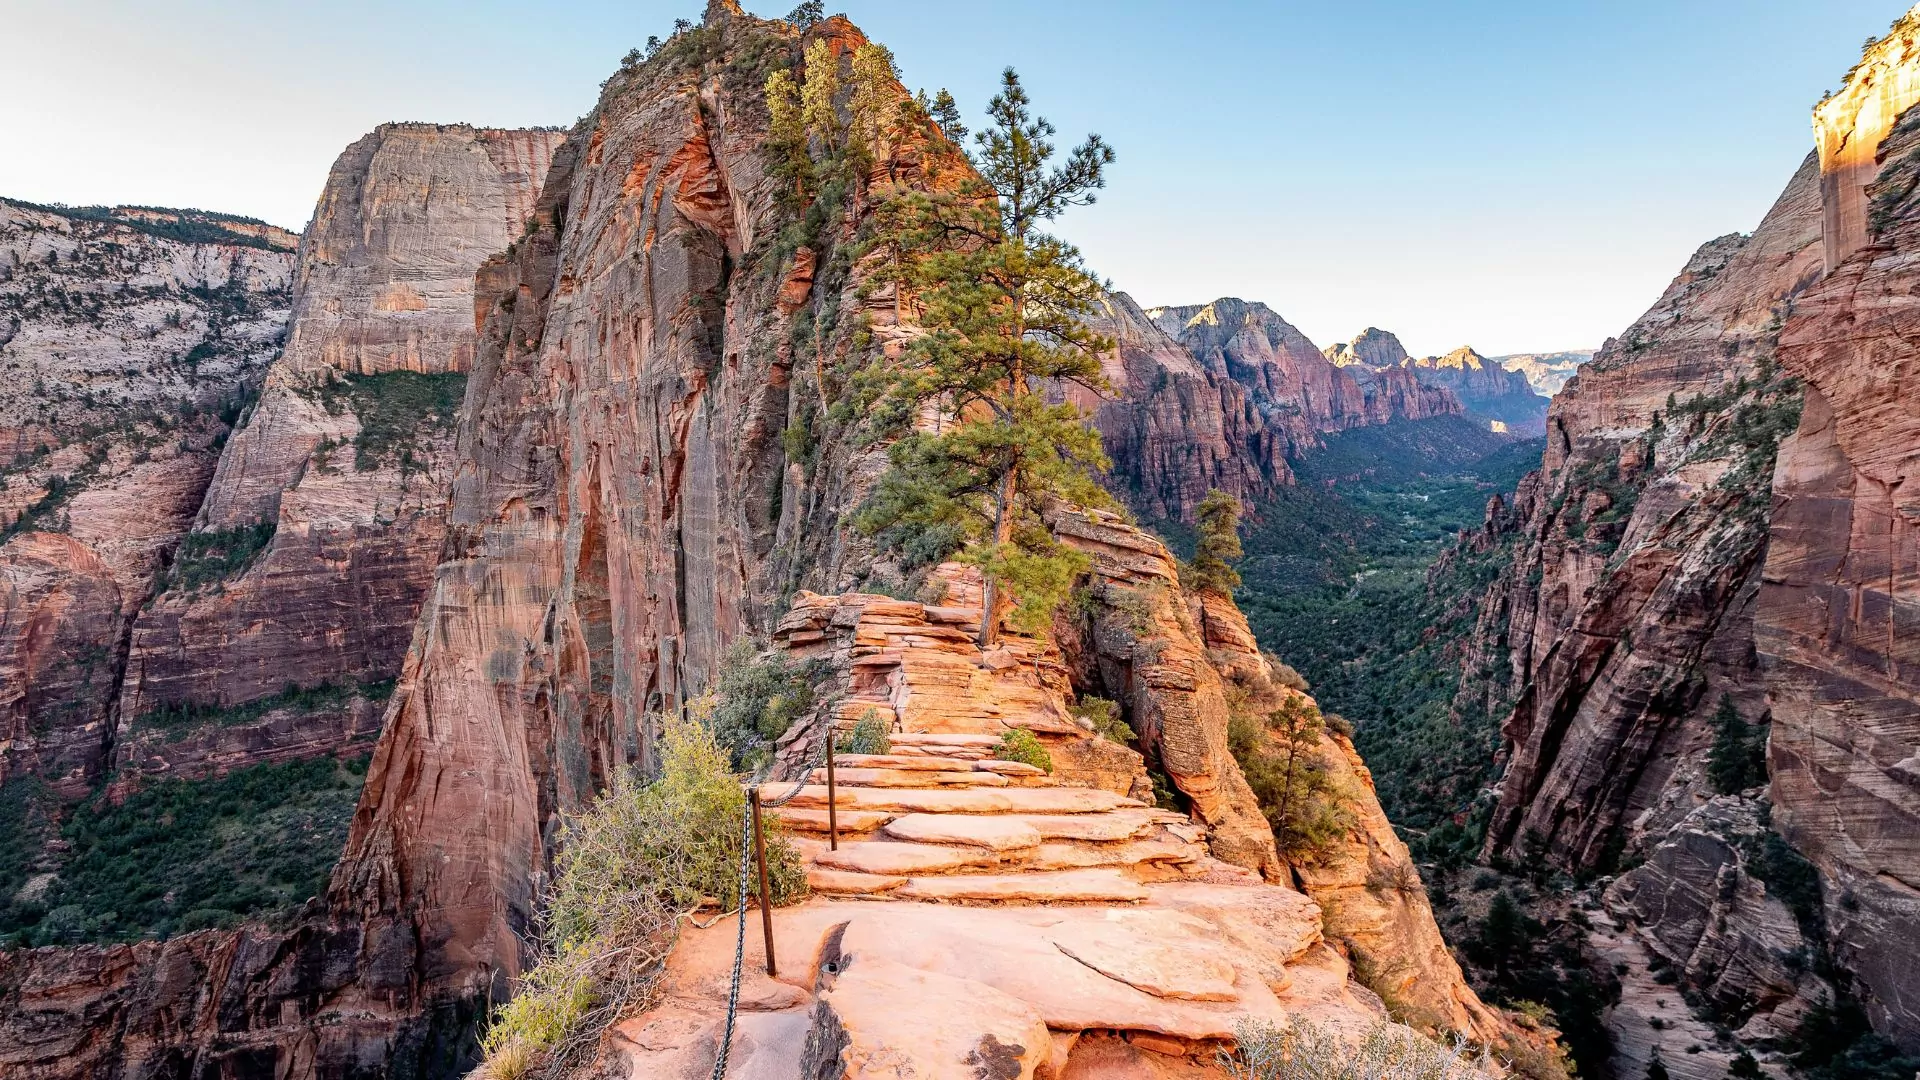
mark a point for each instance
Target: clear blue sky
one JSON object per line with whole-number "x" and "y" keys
{"x": 1517, "y": 175}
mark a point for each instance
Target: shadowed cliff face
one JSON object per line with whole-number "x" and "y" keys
{"x": 1838, "y": 619}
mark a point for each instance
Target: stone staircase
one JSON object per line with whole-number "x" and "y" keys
{"x": 938, "y": 818}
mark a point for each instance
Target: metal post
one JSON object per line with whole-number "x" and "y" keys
{"x": 766, "y": 898}
{"x": 833, "y": 819}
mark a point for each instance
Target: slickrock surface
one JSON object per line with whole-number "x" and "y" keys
{"x": 1839, "y": 615}
{"x": 385, "y": 284}
{"x": 124, "y": 356}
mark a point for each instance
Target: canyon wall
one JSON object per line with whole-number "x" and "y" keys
{"x": 1485, "y": 388}
{"x": 1838, "y": 618}
{"x": 343, "y": 465}
{"x": 130, "y": 341}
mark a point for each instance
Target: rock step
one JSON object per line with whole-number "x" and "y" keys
{"x": 1003, "y": 832}
{"x": 920, "y": 738}
{"x": 1012, "y": 800}
{"x": 903, "y": 859}
{"x": 1058, "y": 886}
{"x": 928, "y": 762}
{"x": 909, "y": 778}
{"x": 1079, "y": 854}
{"x": 850, "y": 883}
{"x": 815, "y": 821}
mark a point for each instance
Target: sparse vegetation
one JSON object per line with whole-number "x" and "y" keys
{"x": 400, "y": 413}
{"x": 1738, "y": 760}
{"x": 1303, "y": 1050}
{"x": 1021, "y": 745}
{"x": 1216, "y": 523}
{"x": 1282, "y": 756}
{"x": 757, "y": 698}
{"x": 1103, "y": 716}
{"x": 640, "y": 857}
{"x": 869, "y": 736}
{"x": 211, "y": 556}
{"x": 181, "y": 715}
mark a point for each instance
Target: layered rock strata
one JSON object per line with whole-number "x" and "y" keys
{"x": 1838, "y": 620}
{"x": 1485, "y": 389}
{"x": 348, "y": 455}
{"x": 129, "y": 341}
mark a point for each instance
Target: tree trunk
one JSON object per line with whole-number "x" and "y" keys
{"x": 991, "y": 600}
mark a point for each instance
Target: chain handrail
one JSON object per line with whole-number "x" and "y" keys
{"x": 821, "y": 743}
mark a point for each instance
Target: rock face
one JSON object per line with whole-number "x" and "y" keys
{"x": 1485, "y": 388}
{"x": 1648, "y": 533}
{"x": 1372, "y": 347}
{"x": 1677, "y": 552}
{"x": 1546, "y": 372}
{"x": 348, "y": 454}
{"x": 1838, "y": 621}
{"x": 130, "y": 339}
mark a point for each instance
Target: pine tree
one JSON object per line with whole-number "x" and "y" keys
{"x": 947, "y": 114}
{"x": 1217, "y": 520}
{"x": 808, "y": 13}
{"x": 1745, "y": 1067}
{"x": 874, "y": 105}
{"x": 1001, "y": 306}
{"x": 1656, "y": 1068}
{"x": 817, "y": 91}
{"x": 1738, "y": 759}
{"x": 787, "y": 132}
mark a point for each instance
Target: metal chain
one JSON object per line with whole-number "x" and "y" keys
{"x": 746, "y": 862}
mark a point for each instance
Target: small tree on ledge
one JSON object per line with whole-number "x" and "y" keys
{"x": 1217, "y": 520}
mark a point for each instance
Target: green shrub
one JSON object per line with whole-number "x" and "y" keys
{"x": 758, "y": 698}
{"x": 629, "y": 867}
{"x": 400, "y": 413}
{"x": 1021, "y": 745}
{"x": 293, "y": 697}
{"x": 214, "y": 555}
{"x": 869, "y": 736}
{"x": 1104, "y": 717}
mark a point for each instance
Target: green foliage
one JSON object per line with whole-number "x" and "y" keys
{"x": 1835, "y": 1042}
{"x": 758, "y": 698}
{"x": 1003, "y": 307}
{"x": 1282, "y": 758}
{"x": 869, "y": 736}
{"x": 946, "y": 113}
{"x": 1021, "y": 745}
{"x": 1790, "y": 878}
{"x": 1303, "y": 1050}
{"x": 27, "y": 823}
{"x": 1517, "y": 959}
{"x": 1103, "y": 716}
{"x": 1338, "y": 581}
{"x": 319, "y": 697}
{"x": 181, "y": 855}
{"x": 628, "y": 868}
{"x": 1217, "y": 548}
{"x": 1738, "y": 760}
{"x": 400, "y": 413}
{"x": 211, "y": 556}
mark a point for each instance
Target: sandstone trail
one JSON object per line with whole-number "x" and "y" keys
{"x": 982, "y": 917}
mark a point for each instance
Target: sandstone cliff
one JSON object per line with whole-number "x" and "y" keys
{"x": 1485, "y": 388}
{"x": 1838, "y": 620}
{"x": 1546, "y": 372}
{"x": 131, "y": 339}
{"x": 348, "y": 455}
{"x": 1372, "y": 347}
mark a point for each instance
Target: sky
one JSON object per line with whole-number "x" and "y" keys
{"x": 1511, "y": 174}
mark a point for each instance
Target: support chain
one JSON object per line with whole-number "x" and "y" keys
{"x": 821, "y": 742}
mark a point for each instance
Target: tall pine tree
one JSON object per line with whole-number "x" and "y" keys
{"x": 1217, "y": 520}
{"x": 1001, "y": 306}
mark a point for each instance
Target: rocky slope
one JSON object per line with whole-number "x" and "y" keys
{"x": 1371, "y": 348}
{"x": 130, "y": 340}
{"x": 653, "y": 460}
{"x": 347, "y": 458}
{"x": 1485, "y": 388}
